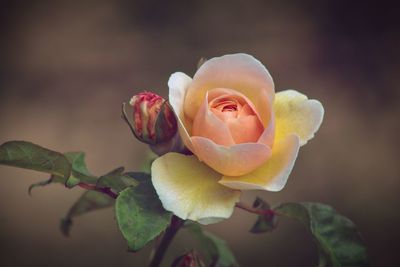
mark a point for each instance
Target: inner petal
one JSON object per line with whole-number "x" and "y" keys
{"x": 225, "y": 104}
{"x": 227, "y": 117}
{"x": 207, "y": 124}
{"x": 225, "y": 107}
{"x": 218, "y": 94}
{"x": 245, "y": 111}
{"x": 223, "y": 115}
{"x": 237, "y": 113}
{"x": 246, "y": 129}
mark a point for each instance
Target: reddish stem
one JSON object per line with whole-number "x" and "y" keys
{"x": 104, "y": 190}
{"x": 248, "y": 208}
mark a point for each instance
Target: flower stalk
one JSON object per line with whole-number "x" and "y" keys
{"x": 176, "y": 224}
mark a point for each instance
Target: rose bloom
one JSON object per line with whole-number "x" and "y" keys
{"x": 242, "y": 135}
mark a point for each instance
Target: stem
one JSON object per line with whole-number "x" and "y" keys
{"x": 171, "y": 231}
{"x": 104, "y": 190}
{"x": 245, "y": 207}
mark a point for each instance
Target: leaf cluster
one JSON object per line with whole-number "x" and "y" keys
{"x": 141, "y": 217}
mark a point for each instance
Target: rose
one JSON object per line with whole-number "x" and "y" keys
{"x": 243, "y": 136}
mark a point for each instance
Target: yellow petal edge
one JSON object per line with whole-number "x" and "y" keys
{"x": 190, "y": 189}
{"x": 273, "y": 175}
{"x": 295, "y": 113}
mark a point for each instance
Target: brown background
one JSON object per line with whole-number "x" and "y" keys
{"x": 66, "y": 66}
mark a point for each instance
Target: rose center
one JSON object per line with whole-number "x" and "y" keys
{"x": 229, "y": 107}
{"x": 228, "y": 118}
{"x": 226, "y": 105}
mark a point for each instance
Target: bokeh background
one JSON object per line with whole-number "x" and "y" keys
{"x": 66, "y": 67}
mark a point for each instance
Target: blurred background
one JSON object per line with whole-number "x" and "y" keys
{"x": 66, "y": 67}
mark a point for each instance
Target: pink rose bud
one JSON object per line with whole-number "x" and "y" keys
{"x": 190, "y": 259}
{"x": 153, "y": 120}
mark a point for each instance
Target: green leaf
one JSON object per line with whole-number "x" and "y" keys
{"x": 266, "y": 222}
{"x": 141, "y": 177}
{"x": 213, "y": 247}
{"x": 39, "y": 184}
{"x": 140, "y": 215}
{"x": 116, "y": 180}
{"x": 30, "y": 156}
{"x": 338, "y": 241}
{"x": 68, "y": 168}
{"x": 77, "y": 160}
{"x": 79, "y": 172}
{"x": 52, "y": 179}
{"x": 89, "y": 201}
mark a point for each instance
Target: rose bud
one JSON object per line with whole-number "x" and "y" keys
{"x": 153, "y": 120}
{"x": 190, "y": 259}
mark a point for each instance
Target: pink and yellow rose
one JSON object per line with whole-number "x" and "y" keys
{"x": 242, "y": 135}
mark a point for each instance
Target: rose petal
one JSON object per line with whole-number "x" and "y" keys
{"x": 295, "y": 113}
{"x": 234, "y": 160}
{"x": 268, "y": 136}
{"x": 224, "y": 116}
{"x": 178, "y": 84}
{"x": 214, "y": 94}
{"x": 273, "y": 174}
{"x": 246, "y": 110}
{"x": 246, "y": 129}
{"x": 190, "y": 189}
{"x": 207, "y": 124}
{"x": 240, "y": 72}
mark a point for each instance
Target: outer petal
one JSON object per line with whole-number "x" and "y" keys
{"x": 240, "y": 72}
{"x": 268, "y": 136}
{"x": 190, "y": 189}
{"x": 234, "y": 160}
{"x": 178, "y": 84}
{"x": 295, "y": 113}
{"x": 273, "y": 175}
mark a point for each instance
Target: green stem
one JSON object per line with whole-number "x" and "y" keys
{"x": 170, "y": 233}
